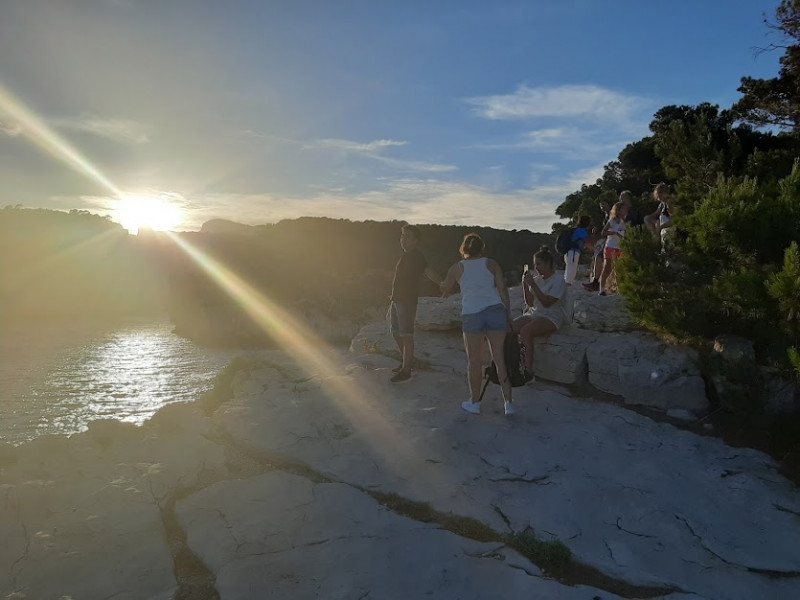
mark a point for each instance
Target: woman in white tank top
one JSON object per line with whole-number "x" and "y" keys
{"x": 485, "y": 315}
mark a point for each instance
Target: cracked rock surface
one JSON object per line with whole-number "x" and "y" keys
{"x": 278, "y": 494}
{"x": 282, "y": 534}
{"x": 641, "y": 501}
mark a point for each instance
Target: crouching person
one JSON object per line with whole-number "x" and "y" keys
{"x": 545, "y": 300}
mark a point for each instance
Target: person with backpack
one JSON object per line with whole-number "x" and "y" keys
{"x": 570, "y": 243}
{"x": 545, "y": 300}
{"x": 485, "y": 316}
{"x": 597, "y": 255}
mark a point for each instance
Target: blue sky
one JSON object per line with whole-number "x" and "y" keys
{"x": 437, "y": 111}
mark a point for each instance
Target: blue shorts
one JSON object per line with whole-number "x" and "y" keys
{"x": 401, "y": 318}
{"x": 492, "y": 318}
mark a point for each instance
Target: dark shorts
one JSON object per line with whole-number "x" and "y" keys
{"x": 492, "y": 318}
{"x": 401, "y": 318}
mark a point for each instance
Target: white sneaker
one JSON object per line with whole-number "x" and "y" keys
{"x": 472, "y": 407}
{"x": 509, "y": 408}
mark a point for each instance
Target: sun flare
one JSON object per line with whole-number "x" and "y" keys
{"x": 147, "y": 212}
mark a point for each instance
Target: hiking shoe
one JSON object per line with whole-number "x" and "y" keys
{"x": 472, "y": 407}
{"x": 592, "y": 287}
{"x": 398, "y": 368}
{"x": 401, "y": 377}
{"x": 509, "y": 409}
{"x": 602, "y": 294}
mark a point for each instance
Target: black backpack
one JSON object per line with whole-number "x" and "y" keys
{"x": 564, "y": 241}
{"x": 514, "y": 354}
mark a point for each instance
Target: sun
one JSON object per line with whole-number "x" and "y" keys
{"x": 158, "y": 213}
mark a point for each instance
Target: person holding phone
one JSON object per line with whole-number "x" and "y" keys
{"x": 545, "y": 304}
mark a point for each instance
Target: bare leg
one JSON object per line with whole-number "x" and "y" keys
{"x": 473, "y": 344}
{"x": 598, "y": 267}
{"x": 496, "y": 340}
{"x": 536, "y": 327}
{"x": 608, "y": 265}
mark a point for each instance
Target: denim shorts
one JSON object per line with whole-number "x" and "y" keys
{"x": 492, "y": 318}
{"x": 401, "y": 318}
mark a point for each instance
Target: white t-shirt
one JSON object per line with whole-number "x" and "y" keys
{"x": 555, "y": 287}
{"x": 615, "y": 227}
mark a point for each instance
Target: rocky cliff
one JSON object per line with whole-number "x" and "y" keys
{"x": 308, "y": 474}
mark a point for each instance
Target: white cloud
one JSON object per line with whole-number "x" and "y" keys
{"x": 574, "y": 143}
{"x": 119, "y": 130}
{"x": 374, "y": 150}
{"x": 585, "y": 102}
{"x": 350, "y": 146}
{"x": 414, "y": 200}
{"x": 10, "y": 129}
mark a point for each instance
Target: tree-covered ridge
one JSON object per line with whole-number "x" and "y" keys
{"x": 70, "y": 265}
{"x": 78, "y": 264}
{"x": 730, "y": 264}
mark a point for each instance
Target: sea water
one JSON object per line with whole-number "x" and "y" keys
{"x": 55, "y": 379}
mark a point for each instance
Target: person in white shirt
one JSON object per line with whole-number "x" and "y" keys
{"x": 614, "y": 231}
{"x": 662, "y": 219}
{"x": 545, "y": 300}
{"x": 485, "y": 316}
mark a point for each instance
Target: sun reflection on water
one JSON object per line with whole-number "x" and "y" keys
{"x": 59, "y": 381}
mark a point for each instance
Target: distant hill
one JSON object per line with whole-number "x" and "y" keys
{"x": 224, "y": 226}
{"x": 58, "y": 264}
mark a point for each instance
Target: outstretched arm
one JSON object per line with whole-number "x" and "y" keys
{"x": 433, "y": 276}
{"x": 450, "y": 279}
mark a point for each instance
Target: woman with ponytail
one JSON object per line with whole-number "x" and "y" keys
{"x": 545, "y": 298}
{"x": 485, "y": 316}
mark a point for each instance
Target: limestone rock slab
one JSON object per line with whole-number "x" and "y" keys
{"x": 561, "y": 357}
{"x": 641, "y": 501}
{"x": 600, "y": 313}
{"x": 80, "y": 517}
{"x": 646, "y": 371}
{"x": 299, "y": 539}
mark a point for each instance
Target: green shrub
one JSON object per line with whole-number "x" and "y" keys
{"x": 731, "y": 266}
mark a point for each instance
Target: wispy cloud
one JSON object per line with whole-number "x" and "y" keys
{"x": 350, "y": 146}
{"x": 578, "y": 122}
{"x": 422, "y": 200}
{"x": 374, "y": 150}
{"x": 585, "y": 102}
{"x": 119, "y": 130}
{"x": 10, "y": 129}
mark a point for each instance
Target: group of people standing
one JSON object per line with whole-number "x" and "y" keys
{"x": 486, "y": 309}
{"x": 486, "y": 306}
{"x": 607, "y": 242}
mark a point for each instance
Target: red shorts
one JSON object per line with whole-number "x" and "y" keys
{"x": 612, "y": 253}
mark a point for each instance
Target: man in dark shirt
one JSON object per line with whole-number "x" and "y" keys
{"x": 403, "y": 308}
